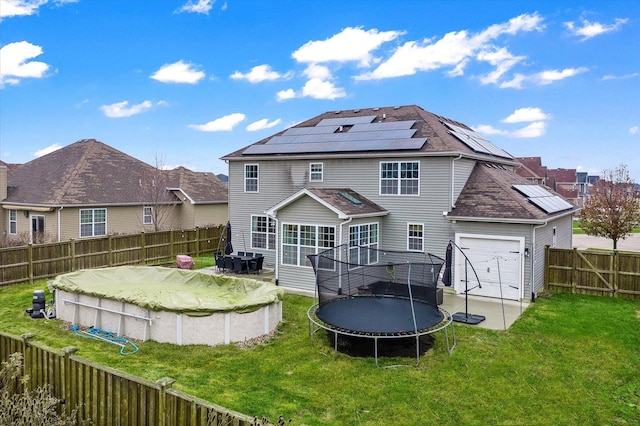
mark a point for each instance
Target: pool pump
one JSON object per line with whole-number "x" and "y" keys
{"x": 39, "y": 308}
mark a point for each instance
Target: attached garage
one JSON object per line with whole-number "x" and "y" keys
{"x": 498, "y": 263}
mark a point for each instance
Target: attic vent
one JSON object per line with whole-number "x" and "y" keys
{"x": 350, "y": 197}
{"x": 356, "y": 111}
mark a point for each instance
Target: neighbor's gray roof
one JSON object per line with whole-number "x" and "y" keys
{"x": 427, "y": 125}
{"x": 489, "y": 194}
{"x": 89, "y": 172}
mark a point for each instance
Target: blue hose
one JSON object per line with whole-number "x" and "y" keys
{"x": 106, "y": 336}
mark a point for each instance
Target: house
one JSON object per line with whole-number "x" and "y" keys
{"x": 89, "y": 189}
{"x": 395, "y": 178}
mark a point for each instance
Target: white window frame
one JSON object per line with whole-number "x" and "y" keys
{"x": 13, "y": 222}
{"x": 147, "y": 215}
{"x": 363, "y": 235}
{"x": 316, "y": 175}
{"x": 413, "y": 239}
{"x": 93, "y": 223}
{"x": 268, "y": 235}
{"x": 294, "y": 250}
{"x": 399, "y": 179}
{"x": 250, "y": 179}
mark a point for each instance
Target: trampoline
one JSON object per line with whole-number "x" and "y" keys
{"x": 378, "y": 294}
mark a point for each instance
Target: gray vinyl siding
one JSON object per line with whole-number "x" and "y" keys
{"x": 462, "y": 168}
{"x": 544, "y": 237}
{"x": 279, "y": 180}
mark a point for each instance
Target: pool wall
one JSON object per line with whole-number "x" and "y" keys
{"x": 135, "y": 322}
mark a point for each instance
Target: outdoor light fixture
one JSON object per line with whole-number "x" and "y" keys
{"x": 526, "y": 252}
{"x": 26, "y": 213}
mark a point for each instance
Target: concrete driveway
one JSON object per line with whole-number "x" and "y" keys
{"x": 582, "y": 241}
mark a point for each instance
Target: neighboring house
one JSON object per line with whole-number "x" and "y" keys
{"x": 532, "y": 169}
{"x": 396, "y": 178}
{"x": 89, "y": 189}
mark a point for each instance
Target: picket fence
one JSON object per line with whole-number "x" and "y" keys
{"x": 41, "y": 261}
{"x": 603, "y": 273}
{"x": 105, "y": 396}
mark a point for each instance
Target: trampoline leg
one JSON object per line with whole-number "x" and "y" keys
{"x": 417, "y": 350}
{"x": 453, "y": 335}
{"x": 335, "y": 345}
{"x": 375, "y": 350}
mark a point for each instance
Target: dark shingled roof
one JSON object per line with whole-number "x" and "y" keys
{"x": 89, "y": 172}
{"x": 489, "y": 194}
{"x": 334, "y": 197}
{"x": 427, "y": 125}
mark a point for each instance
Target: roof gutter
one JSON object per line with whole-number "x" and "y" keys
{"x": 507, "y": 220}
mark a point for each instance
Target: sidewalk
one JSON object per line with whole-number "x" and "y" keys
{"x": 583, "y": 241}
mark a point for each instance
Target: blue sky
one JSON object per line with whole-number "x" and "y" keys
{"x": 184, "y": 82}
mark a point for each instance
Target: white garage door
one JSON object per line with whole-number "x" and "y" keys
{"x": 496, "y": 260}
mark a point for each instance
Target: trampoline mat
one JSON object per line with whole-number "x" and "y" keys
{"x": 378, "y": 315}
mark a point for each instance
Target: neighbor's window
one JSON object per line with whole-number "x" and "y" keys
{"x": 362, "y": 237}
{"x": 263, "y": 232}
{"x": 415, "y": 237}
{"x": 300, "y": 240}
{"x": 400, "y": 178}
{"x": 13, "y": 221}
{"x": 93, "y": 222}
{"x": 147, "y": 215}
{"x": 315, "y": 172}
{"x": 250, "y": 178}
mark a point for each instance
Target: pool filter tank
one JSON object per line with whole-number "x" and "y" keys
{"x": 38, "y": 305}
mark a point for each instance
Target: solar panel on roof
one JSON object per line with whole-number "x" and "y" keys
{"x": 543, "y": 199}
{"x": 341, "y": 146}
{"x": 294, "y": 131}
{"x": 385, "y": 125}
{"x": 346, "y": 121}
{"x": 475, "y": 141}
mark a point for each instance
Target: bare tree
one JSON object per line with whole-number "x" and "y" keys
{"x": 611, "y": 210}
{"x": 159, "y": 203}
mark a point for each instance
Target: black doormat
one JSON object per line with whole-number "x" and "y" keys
{"x": 404, "y": 347}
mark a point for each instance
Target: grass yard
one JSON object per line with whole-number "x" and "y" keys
{"x": 569, "y": 360}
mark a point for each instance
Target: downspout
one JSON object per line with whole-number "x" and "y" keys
{"x": 276, "y": 263}
{"x": 533, "y": 258}
{"x": 59, "y": 234}
{"x": 452, "y": 171}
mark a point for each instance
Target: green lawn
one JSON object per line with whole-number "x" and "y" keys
{"x": 578, "y": 230}
{"x": 569, "y": 360}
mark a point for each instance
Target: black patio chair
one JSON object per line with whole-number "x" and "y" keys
{"x": 239, "y": 266}
{"x": 228, "y": 263}
{"x": 255, "y": 265}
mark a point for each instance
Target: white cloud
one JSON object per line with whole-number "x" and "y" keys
{"x": 621, "y": 77}
{"x": 262, "y": 124}
{"x": 318, "y": 88}
{"x": 222, "y": 124}
{"x": 526, "y": 115}
{"x": 9, "y": 8}
{"x": 588, "y": 29}
{"x": 542, "y": 78}
{"x": 178, "y": 72}
{"x": 15, "y": 63}
{"x": 487, "y": 129}
{"x": 634, "y": 130}
{"x": 502, "y": 60}
{"x": 454, "y": 50}
{"x": 533, "y": 130}
{"x": 286, "y": 94}
{"x": 259, "y": 74}
{"x": 47, "y": 150}
{"x": 349, "y": 45}
{"x": 199, "y": 6}
{"x": 122, "y": 109}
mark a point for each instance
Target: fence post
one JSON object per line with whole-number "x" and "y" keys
{"x": 30, "y": 262}
{"x": 72, "y": 253}
{"x": 27, "y": 359}
{"x": 165, "y": 383}
{"x": 574, "y": 270}
{"x": 143, "y": 251}
{"x": 616, "y": 272}
{"x": 109, "y": 250}
{"x": 66, "y": 375}
{"x": 197, "y": 241}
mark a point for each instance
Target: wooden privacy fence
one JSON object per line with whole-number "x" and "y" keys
{"x": 107, "y": 397}
{"x": 41, "y": 261}
{"x": 603, "y": 273}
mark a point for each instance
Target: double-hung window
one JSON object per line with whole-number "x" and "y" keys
{"x": 13, "y": 221}
{"x": 147, "y": 215}
{"x": 300, "y": 240}
{"x": 250, "y": 178}
{"x": 400, "y": 178}
{"x": 263, "y": 232}
{"x": 362, "y": 237}
{"x": 315, "y": 172}
{"x": 415, "y": 237}
{"x": 93, "y": 222}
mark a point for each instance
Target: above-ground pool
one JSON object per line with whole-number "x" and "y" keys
{"x": 169, "y": 305}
